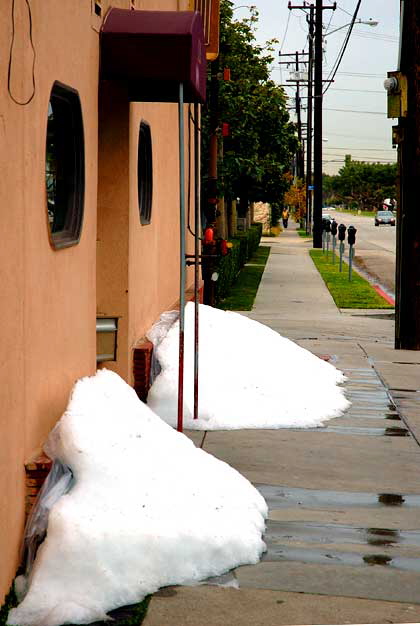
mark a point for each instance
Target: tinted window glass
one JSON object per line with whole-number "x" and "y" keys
{"x": 64, "y": 166}
{"x": 145, "y": 173}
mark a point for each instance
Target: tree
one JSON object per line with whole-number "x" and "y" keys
{"x": 361, "y": 185}
{"x": 296, "y": 198}
{"x": 258, "y": 151}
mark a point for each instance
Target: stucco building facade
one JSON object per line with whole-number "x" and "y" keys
{"x": 112, "y": 260}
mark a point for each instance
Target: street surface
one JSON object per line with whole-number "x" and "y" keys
{"x": 374, "y": 249}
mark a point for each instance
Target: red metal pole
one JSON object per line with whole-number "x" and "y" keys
{"x": 181, "y": 259}
{"x": 197, "y": 229}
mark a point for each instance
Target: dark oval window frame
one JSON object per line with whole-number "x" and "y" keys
{"x": 65, "y": 167}
{"x": 145, "y": 173}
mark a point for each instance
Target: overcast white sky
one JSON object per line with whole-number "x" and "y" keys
{"x": 371, "y": 53}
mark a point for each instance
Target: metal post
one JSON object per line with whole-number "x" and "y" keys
{"x": 351, "y": 253}
{"x": 181, "y": 259}
{"x": 328, "y": 244}
{"x": 341, "y": 255}
{"x": 333, "y": 248}
{"x": 197, "y": 230}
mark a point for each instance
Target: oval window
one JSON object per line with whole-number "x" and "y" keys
{"x": 145, "y": 173}
{"x": 65, "y": 166}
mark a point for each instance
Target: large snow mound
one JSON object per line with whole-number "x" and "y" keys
{"x": 148, "y": 509}
{"x": 249, "y": 376}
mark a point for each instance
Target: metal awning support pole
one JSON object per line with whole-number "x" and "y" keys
{"x": 197, "y": 230}
{"x": 181, "y": 258}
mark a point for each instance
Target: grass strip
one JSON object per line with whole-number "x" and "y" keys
{"x": 357, "y": 294}
{"x": 244, "y": 289}
{"x": 356, "y": 212}
{"x": 302, "y": 233}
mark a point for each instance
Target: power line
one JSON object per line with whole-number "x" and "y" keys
{"x": 360, "y": 149}
{"x": 360, "y": 74}
{"x": 336, "y": 154}
{"x": 358, "y": 90}
{"x": 356, "y": 111}
{"x": 377, "y": 36}
{"x": 364, "y": 138}
{"x": 344, "y": 47}
{"x": 287, "y": 28}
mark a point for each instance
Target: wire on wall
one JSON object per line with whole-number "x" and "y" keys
{"x": 9, "y": 70}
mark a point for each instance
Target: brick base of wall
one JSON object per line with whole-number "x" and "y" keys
{"x": 37, "y": 470}
{"x": 142, "y": 361}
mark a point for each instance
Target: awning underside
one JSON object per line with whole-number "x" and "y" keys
{"x": 152, "y": 52}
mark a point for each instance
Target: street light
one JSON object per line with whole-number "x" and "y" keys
{"x": 369, "y": 22}
{"x": 251, "y": 7}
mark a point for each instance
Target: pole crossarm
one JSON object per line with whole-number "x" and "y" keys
{"x": 307, "y": 5}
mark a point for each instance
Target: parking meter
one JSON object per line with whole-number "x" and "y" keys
{"x": 327, "y": 234}
{"x": 341, "y": 236}
{"x": 342, "y": 232}
{"x": 351, "y": 235}
{"x": 334, "y": 234}
{"x": 351, "y": 238}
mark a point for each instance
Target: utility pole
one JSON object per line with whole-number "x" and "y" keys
{"x": 309, "y": 187}
{"x": 299, "y": 155}
{"x": 299, "y": 152}
{"x": 404, "y": 103}
{"x": 317, "y": 234}
{"x": 317, "y": 209}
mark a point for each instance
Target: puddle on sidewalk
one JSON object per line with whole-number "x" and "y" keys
{"x": 359, "y": 431}
{"x": 335, "y": 557}
{"x": 279, "y": 497}
{"x": 312, "y": 532}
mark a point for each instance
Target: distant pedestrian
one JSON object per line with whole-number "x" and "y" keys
{"x": 285, "y": 217}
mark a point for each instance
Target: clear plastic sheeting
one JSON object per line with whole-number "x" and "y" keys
{"x": 57, "y": 483}
{"x": 156, "y": 335}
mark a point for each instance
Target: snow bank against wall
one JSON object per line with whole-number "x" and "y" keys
{"x": 148, "y": 509}
{"x": 250, "y": 376}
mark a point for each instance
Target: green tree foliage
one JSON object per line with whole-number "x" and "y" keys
{"x": 361, "y": 185}
{"x": 257, "y": 154}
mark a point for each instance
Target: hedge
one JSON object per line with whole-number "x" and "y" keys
{"x": 244, "y": 246}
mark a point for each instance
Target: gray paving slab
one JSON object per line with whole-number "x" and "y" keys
{"x": 370, "y": 582}
{"x": 320, "y": 460}
{"x": 211, "y": 606}
{"x": 396, "y": 518}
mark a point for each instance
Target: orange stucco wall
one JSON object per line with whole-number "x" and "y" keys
{"x": 48, "y": 325}
{"x": 50, "y": 297}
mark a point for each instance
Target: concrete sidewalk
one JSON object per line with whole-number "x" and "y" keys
{"x": 343, "y": 533}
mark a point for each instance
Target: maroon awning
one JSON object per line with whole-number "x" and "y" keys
{"x": 152, "y": 52}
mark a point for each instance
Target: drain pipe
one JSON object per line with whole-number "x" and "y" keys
{"x": 197, "y": 230}
{"x": 181, "y": 259}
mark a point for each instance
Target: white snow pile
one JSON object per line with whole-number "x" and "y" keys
{"x": 147, "y": 509}
{"x": 249, "y": 376}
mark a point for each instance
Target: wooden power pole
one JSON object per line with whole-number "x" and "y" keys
{"x": 318, "y": 87}
{"x": 404, "y": 103}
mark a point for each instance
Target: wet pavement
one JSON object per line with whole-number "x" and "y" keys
{"x": 343, "y": 499}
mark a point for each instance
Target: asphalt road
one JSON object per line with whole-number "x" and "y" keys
{"x": 374, "y": 249}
